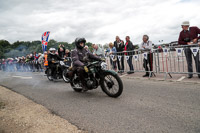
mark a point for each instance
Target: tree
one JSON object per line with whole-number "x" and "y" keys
{"x": 4, "y": 43}
{"x": 22, "y": 48}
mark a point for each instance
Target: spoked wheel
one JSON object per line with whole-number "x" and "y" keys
{"x": 64, "y": 76}
{"x": 49, "y": 74}
{"x": 112, "y": 85}
{"x": 76, "y": 86}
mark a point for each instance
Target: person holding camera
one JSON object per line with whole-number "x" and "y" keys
{"x": 61, "y": 50}
{"x": 189, "y": 36}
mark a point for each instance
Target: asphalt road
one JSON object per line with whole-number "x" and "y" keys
{"x": 145, "y": 106}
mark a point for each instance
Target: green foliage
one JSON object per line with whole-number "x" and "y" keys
{"x": 23, "y": 48}
{"x": 4, "y": 43}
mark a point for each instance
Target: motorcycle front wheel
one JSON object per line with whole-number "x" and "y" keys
{"x": 111, "y": 84}
{"x": 49, "y": 74}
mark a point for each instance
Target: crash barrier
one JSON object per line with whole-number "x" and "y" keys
{"x": 167, "y": 60}
{"x": 176, "y": 59}
{"x": 133, "y": 61}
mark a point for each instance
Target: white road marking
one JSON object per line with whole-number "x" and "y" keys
{"x": 22, "y": 77}
{"x": 183, "y": 77}
{"x": 26, "y": 77}
{"x": 17, "y": 76}
{"x": 123, "y": 75}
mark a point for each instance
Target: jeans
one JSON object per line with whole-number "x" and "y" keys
{"x": 148, "y": 61}
{"x": 188, "y": 54}
{"x": 120, "y": 64}
{"x": 130, "y": 63}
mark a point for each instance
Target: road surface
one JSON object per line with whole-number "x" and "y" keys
{"x": 145, "y": 106}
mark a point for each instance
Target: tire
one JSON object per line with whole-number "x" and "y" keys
{"x": 75, "y": 88}
{"x": 105, "y": 86}
{"x": 49, "y": 75}
{"x": 66, "y": 79}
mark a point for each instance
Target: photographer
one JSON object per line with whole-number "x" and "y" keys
{"x": 61, "y": 50}
{"x": 189, "y": 36}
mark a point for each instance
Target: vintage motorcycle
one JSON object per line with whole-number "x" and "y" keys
{"x": 97, "y": 75}
{"x": 61, "y": 70}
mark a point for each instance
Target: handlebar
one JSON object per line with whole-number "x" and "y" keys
{"x": 92, "y": 63}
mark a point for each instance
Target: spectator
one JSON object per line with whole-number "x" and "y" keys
{"x": 61, "y": 51}
{"x": 86, "y": 47}
{"x": 19, "y": 64}
{"x": 0, "y": 64}
{"x": 36, "y": 63}
{"x": 23, "y": 63}
{"x": 189, "y": 36}
{"x": 68, "y": 57}
{"x": 113, "y": 58}
{"x": 3, "y": 64}
{"x": 67, "y": 53}
{"x": 31, "y": 62}
{"x": 147, "y": 45}
{"x": 93, "y": 45}
{"x": 27, "y": 62}
{"x": 41, "y": 61}
{"x": 128, "y": 49}
{"x": 98, "y": 51}
{"x": 119, "y": 45}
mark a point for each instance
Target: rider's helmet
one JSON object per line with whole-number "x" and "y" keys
{"x": 78, "y": 41}
{"x": 52, "y": 51}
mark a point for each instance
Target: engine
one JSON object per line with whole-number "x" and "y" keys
{"x": 92, "y": 83}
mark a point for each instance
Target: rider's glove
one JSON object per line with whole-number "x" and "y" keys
{"x": 86, "y": 69}
{"x": 103, "y": 59}
{"x": 53, "y": 61}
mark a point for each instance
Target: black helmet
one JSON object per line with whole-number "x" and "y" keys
{"x": 78, "y": 41}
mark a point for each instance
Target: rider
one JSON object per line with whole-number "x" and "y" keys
{"x": 52, "y": 58}
{"x": 80, "y": 57}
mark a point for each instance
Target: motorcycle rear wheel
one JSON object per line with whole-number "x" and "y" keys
{"x": 76, "y": 87}
{"x": 50, "y": 78}
{"x": 64, "y": 76}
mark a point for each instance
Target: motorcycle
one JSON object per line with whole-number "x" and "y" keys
{"x": 98, "y": 75}
{"x": 61, "y": 70}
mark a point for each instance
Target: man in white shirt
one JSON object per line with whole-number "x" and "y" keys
{"x": 147, "y": 45}
{"x": 98, "y": 51}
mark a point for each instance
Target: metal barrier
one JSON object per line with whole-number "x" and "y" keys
{"x": 168, "y": 60}
{"x": 136, "y": 58}
{"x": 172, "y": 60}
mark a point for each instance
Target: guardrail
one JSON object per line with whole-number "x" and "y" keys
{"x": 168, "y": 60}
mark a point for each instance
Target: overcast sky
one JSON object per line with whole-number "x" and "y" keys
{"x": 99, "y": 21}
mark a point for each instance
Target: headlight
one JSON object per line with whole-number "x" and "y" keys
{"x": 103, "y": 66}
{"x": 62, "y": 63}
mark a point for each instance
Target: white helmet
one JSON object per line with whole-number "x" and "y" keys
{"x": 51, "y": 50}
